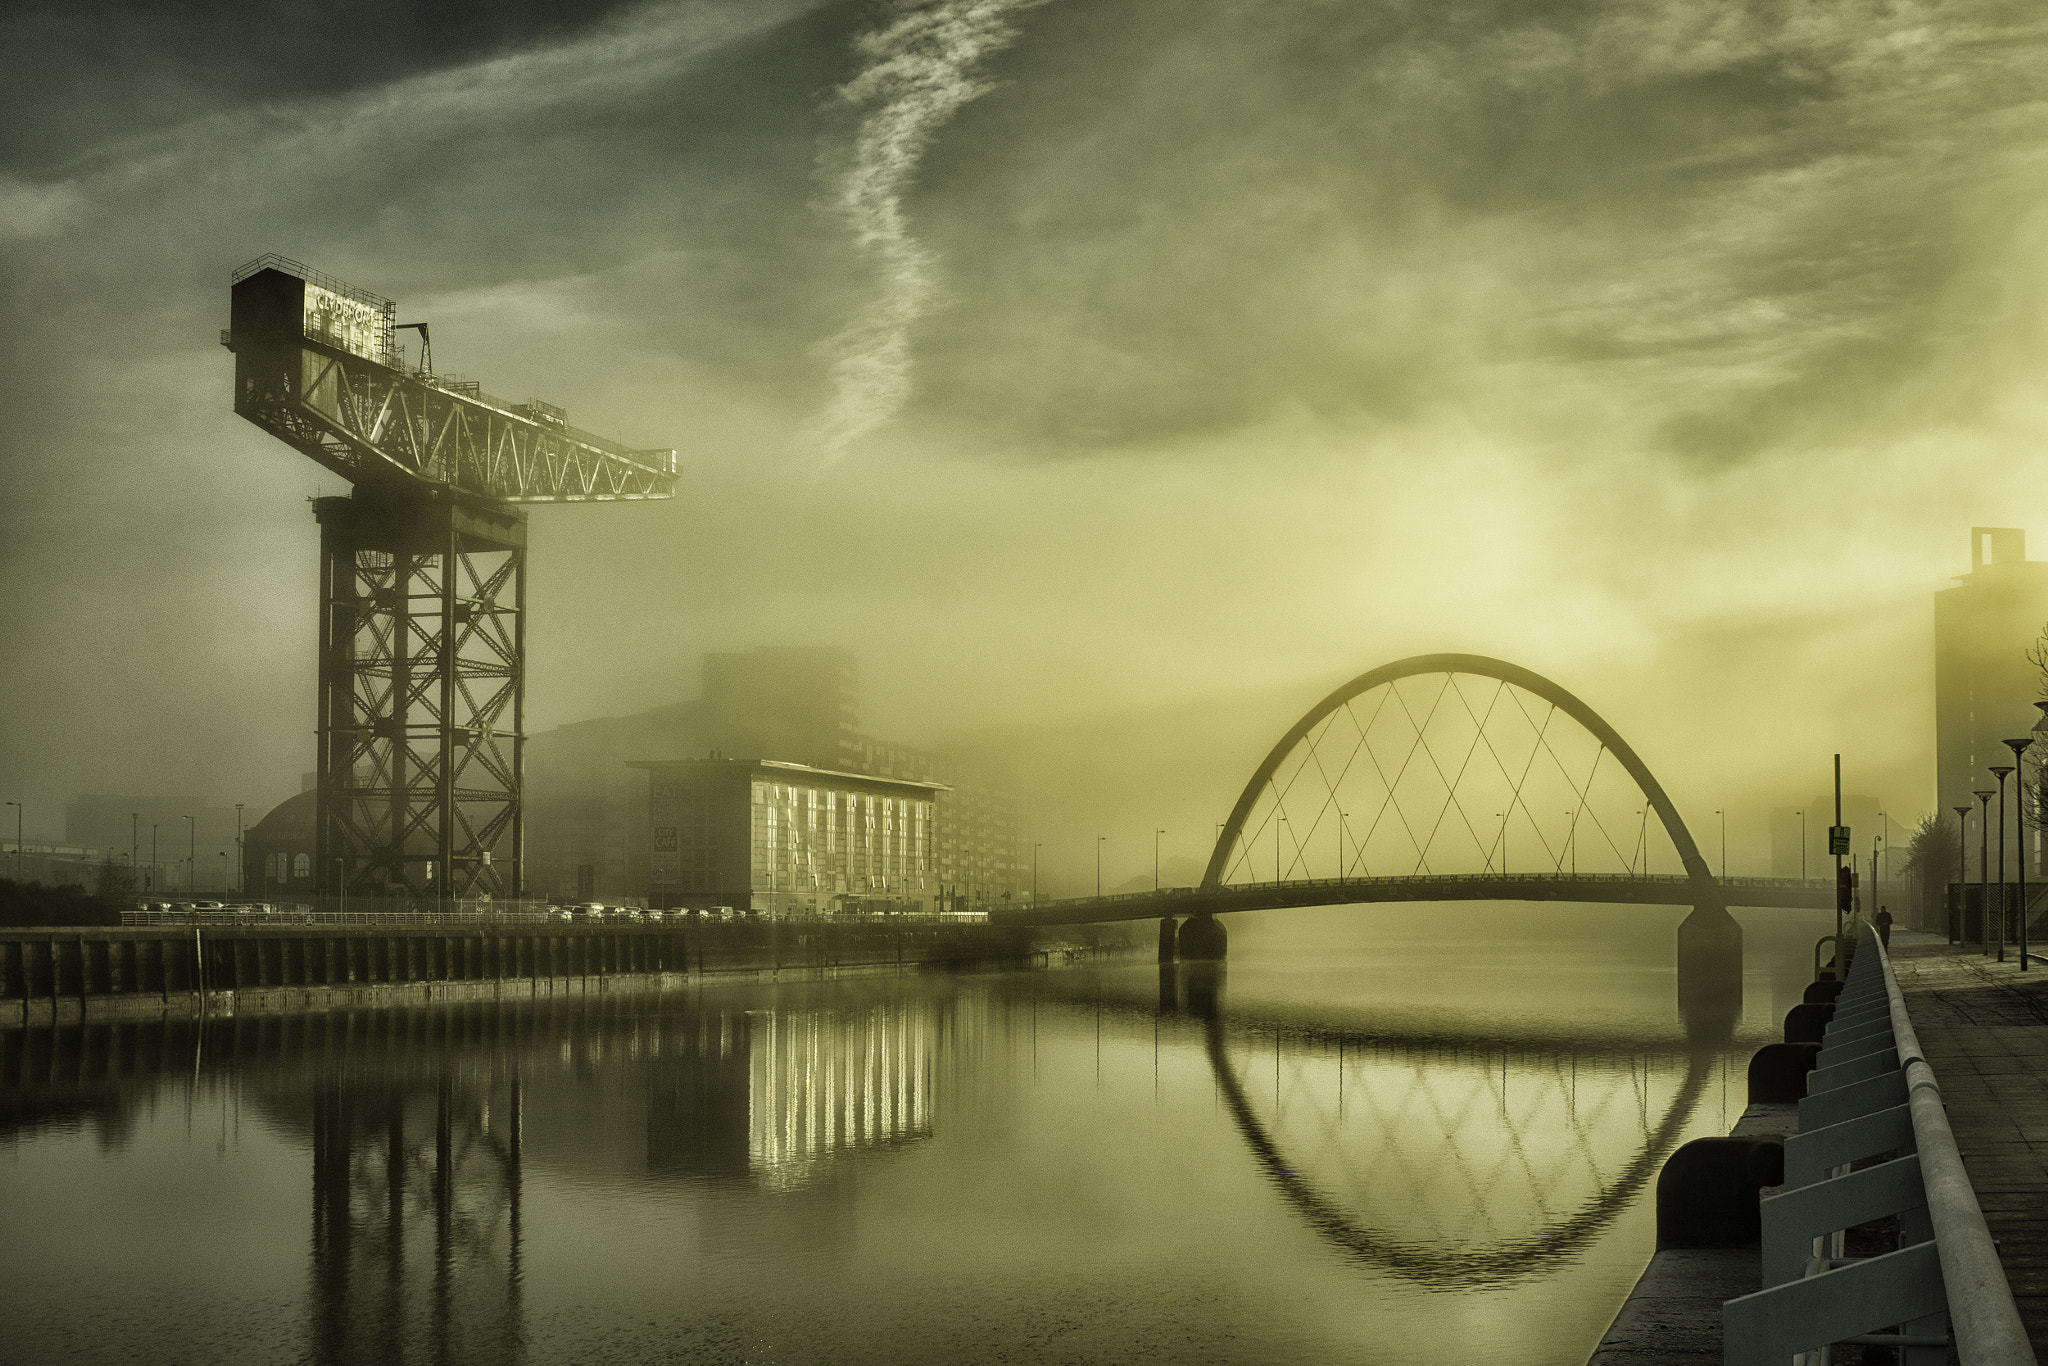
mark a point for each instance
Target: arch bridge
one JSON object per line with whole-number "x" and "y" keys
{"x": 1446, "y": 777}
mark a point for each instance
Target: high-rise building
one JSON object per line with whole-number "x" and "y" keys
{"x": 795, "y": 702}
{"x": 1984, "y": 683}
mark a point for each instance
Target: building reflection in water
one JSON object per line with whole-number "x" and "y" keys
{"x": 777, "y": 1095}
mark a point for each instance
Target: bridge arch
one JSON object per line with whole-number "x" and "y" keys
{"x": 1706, "y": 887}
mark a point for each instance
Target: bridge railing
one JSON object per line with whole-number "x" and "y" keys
{"x": 1812, "y": 884}
{"x": 1872, "y": 1095}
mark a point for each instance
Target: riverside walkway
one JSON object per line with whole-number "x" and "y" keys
{"x": 1984, "y": 1027}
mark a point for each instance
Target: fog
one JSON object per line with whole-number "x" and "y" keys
{"x": 1115, "y": 378}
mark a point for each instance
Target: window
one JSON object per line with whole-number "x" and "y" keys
{"x": 302, "y": 866}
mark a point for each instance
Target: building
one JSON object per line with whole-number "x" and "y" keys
{"x": 589, "y": 824}
{"x": 277, "y": 851}
{"x": 1984, "y": 683}
{"x": 784, "y": 838}
{"x": 800, "y": 703}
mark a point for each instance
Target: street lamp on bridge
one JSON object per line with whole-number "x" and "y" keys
{"x": 1802, "y": 844}
{"x": 1724, "y": 844}
{"x": 17, "y": 839}
{"x": 1098, "y": 865}
{"x": 1155, "y": 861}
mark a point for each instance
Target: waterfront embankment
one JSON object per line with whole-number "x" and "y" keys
{"x": 66, "y": 973}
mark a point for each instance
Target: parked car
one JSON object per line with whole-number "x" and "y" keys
{"x": 657, "y": 916}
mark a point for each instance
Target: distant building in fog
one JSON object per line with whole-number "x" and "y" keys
{"x": 590, "y": 826}
{"x": 1984, "y": 685}
{"x": 107, "y": 825}
{"x": 278, "y": 851}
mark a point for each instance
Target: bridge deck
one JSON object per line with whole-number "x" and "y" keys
{"x": 1649, "y": 890}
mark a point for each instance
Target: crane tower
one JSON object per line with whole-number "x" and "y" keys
{"x": 422, "y": 670}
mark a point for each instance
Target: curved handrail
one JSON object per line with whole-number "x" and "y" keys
{"x": 1696, "y": 869}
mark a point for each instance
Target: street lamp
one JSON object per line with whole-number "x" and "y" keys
{"x": 1343, "y": 872}
{"x": 17, "y": 839}
{"x": 1724, "y": 844}
{"x": 1571, "y": 838}
{"x": 1155, "y": 861}
{"x": 1098, "y": 865}
{"x": 239, "y": 880}
{"x": 1276, "y": 848}
{"x": 1802, "y": 844}
{"x": 1036, "y": 845}
{"x": 1984, "y": 868}
{"x": 191, "y": 856}
{"x": 2018, "y": 748}
{"x": 1962, "y": 867}
{"x": 2002, "y": 770}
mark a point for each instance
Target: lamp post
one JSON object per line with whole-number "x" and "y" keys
{"x": 154, "y": 871}
{"x": 2018, "y": 748}
{"x": 1098, "y": 865}
{"x": 17, "y": 839}
{"x": 1724, "y": 844}
{"x": 1876, "y": 841}
{"x": 134, "y": 839}
{"x": 191, "y": 856}
{"x": 1277, "y": 876}
{"x": 1802, "y": 844}
{"x": 1155, "y": 861}
{"x": 1035, "y": 846}
{"x": 1962, "y": 868}
{"x": 1984, "y": 868}
{"x": 2001, "y": 770}
{"x": 240, "y": 881}
{"x": 1571, "y": 838}
{"x": 1343, "y": 870}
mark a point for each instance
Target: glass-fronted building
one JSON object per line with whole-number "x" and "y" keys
{"x": 786, "y": 838}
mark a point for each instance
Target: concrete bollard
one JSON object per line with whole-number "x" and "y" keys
{"x": 1808, "y": 1022}
{"x": 1823, "y": 993}
{"x": 1777, "y": 1072}
{"x": 1707, "y": 1192}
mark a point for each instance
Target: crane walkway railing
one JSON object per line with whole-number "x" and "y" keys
{"x": 1872, "y": 1095}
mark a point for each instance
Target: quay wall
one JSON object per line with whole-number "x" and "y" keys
{"x": 68, "y": 973}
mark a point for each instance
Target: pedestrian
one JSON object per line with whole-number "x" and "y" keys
{"x": 1883, "y": 921}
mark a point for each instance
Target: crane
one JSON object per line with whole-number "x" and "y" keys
{"x": 422, "y": 655}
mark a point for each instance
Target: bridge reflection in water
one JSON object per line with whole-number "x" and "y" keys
{"x": 1453, "y": 1159}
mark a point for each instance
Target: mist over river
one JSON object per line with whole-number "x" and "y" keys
{"x": 1379, "y": 1134}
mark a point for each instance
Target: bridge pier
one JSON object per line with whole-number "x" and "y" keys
{"x": 1709, "y": 971}
{"x": 1203, "y": 939}
{"x": 1167, "y": 940}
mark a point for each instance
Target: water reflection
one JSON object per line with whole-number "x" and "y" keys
{"x": 421, "y": 1172}
{"x": 1463, "y": 1139}
{"x": 909, "y": 1169}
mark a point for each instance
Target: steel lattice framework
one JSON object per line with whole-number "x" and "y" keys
{"x": 423, "y": 579}
{"x": 1430, "y": 762}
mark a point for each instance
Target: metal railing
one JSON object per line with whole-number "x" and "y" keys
{"x": 1872, "y": 1095}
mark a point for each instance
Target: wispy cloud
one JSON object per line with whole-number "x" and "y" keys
{"x": 921, "y": 68}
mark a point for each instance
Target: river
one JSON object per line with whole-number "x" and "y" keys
{"x": 1422, "y": 1134}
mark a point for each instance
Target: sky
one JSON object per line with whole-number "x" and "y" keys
{"x": 1124, "y": 370}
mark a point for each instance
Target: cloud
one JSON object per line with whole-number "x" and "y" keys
{"x": 37, "y": 210}
{"x": 921, "y": 69}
